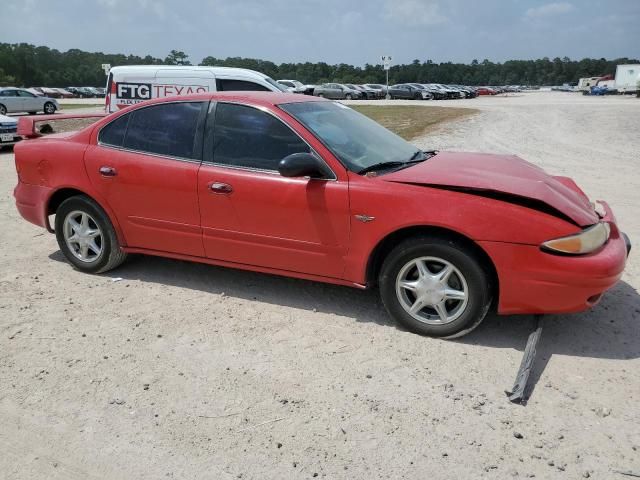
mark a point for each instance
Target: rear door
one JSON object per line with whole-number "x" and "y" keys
{"x": 251, "y": 214}
{"x": 145, "y": 164}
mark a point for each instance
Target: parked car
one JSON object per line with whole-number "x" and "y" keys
{"x": 381, "y": 89}
{"x": 407, "y": 91}
{"x": 485, "y": 91}
{"x": 48, "y": 92}
{"x": 448, "y": 93}
{"x": 14, "y": 100}
{"x": 337, "y": 91}
{"x": 37, "y": 93}
{"x": 303, "y": 187}
{"x": 63, "y": 93}
{"x": 294, "y": 86}
{"x": 97, "y": 92}
{"x": 8, "y": 131}
{"x": 436, "y": 93}
{"x": 367, "y": 93}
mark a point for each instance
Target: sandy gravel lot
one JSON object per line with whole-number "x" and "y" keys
{"x": 186, "y": 371}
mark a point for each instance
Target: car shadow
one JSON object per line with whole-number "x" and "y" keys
{"x": 609, "y": 330}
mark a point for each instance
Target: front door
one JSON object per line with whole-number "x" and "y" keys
{"x": 252, "y": 215}
{"x": 29, "y": 101}
{"x": 145, "y": 165}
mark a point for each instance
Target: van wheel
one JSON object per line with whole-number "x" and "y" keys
{"x": 86, "y": 236}
{"x": 435, "y": 286}
{"x": 3, "y": 109}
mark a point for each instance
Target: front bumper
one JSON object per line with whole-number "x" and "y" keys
{"x": 534, "y": 281}
{"x": 6, "y": 143}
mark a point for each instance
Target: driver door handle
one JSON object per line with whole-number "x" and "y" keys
{"x": 221, "y": 188}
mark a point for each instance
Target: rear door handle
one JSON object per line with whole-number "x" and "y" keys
{"x": 108, "y": 171}
{"x": 222, "y": 188}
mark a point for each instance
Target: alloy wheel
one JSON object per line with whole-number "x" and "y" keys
{"x": 432, "y": 290}
{"x": 83, "y": 236}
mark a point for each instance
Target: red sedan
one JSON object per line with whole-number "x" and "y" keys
{"x": 305, "y": 187}
{"x": 485, "y": 91}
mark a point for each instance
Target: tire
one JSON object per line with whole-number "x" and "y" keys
{"x": 417, "y": 96}
{"x": 49, "y": 108}
{"x": 3, "y": 109}
{"x": 348, "y": 96}
{"x": 321, "y": 95}
{"x": 462, "y": 313}
{"x": 110, "y": 254}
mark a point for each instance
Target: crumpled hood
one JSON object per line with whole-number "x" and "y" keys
{"x": 506, "y": 176}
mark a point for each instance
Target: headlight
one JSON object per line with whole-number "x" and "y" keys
{"x": 587, "y": 241}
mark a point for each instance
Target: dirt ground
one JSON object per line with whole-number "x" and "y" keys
{"x": 166, "y": 369}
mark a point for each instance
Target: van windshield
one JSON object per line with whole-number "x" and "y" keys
{"x": 280, "y": 88}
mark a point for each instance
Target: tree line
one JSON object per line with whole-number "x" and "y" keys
{"x": 22, "y": 64}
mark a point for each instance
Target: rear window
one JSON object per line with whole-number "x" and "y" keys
{"x": 240, "y": 85}
{"x": 113, "y": 133}
{"x": 166, "y": 129}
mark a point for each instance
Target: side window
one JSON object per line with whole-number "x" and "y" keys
{"x": 165, "y": 129}
{"x": 240, "y": 85}
{"x": 9, "y": 93}
{"x": 24, "y": 93}
{"x": 247, "y": 137}
{"x": 113, "y": 133}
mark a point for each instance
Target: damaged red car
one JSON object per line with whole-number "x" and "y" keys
{"x": 309, "y": 188}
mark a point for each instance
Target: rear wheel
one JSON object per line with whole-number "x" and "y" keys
{"x": 49, "y": 108}
{"x": 435, "y": 286}
{"x": 348, "y": 96}
{"x": 3, "y": 109}
{"x": 86, "y": 236}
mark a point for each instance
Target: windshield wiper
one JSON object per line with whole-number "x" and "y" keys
{"x": 385, "y": 165}
{"x": 380, "y": 166}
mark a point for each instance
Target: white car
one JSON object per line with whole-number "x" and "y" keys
{"x": 13, "y": 100}
{"x": 8, "y": 131}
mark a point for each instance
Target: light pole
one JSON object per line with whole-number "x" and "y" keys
{"x": 386, "y": 61}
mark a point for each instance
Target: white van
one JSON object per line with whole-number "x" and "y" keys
{"x": 128, "y": 85}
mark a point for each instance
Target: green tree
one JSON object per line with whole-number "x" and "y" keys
{"x": 177, "y": 57}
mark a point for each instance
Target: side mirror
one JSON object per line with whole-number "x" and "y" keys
{"x": 303, "y": 165}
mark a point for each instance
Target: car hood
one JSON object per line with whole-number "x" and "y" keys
{"x": 8, "y": 120}
{"x": 504, "y": 177}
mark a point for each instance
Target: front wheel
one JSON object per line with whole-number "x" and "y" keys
{"x": 435, "y": 286}
{"x": 49, "y": 108}
{"x": 3, "y": 109}
{"x": 86, "y": 236}
{"x": 348, "y": 96}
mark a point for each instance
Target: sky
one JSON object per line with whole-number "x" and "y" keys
{"x": 332, "y": 31}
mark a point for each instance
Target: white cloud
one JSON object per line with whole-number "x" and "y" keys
{"x": 414, "y": 12}
{"x": 550, "y": 9}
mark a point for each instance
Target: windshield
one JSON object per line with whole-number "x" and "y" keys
{"x": 355, "y": 139}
